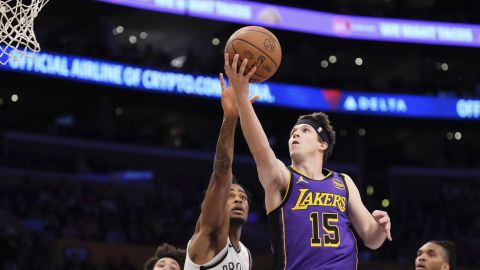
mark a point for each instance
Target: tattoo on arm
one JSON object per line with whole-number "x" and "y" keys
{"x": 224, "y": 151}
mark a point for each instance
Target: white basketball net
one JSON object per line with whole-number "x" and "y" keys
{"x": 17, "y": 37}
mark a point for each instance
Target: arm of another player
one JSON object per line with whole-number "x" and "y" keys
{"x": 211, "y": 232}
{"x": 372, "y": 228}
{"x": 272, "y": 173}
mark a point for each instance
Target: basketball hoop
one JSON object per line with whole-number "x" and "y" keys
{"x": 17, "y": 36}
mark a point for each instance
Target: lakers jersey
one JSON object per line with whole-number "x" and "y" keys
{"x": 227, "y": 259}
{"x": 310, "y": 229}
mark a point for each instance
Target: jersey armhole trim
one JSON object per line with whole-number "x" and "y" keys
{"x": 286, "y": 193}
{"x": 343, "y": 177}
{"x": 216, "y": 263}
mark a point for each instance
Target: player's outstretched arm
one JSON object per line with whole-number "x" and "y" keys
{"x": 272, "y": 173}
{"x": 372, "y": 228}
{"x": 211, "y": 232}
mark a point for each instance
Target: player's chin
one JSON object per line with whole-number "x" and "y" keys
{"x": 237, "y": 220}
{"x": 294, "y": 153}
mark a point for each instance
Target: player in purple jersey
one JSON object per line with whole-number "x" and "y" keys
{"x": 309, "y": 208}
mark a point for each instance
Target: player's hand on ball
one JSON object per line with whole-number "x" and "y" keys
{"x": 229, "y": 102}
{"x": 382, "y": 218}
{"x": 238, "y": 80}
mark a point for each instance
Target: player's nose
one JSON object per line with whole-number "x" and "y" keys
{"x": 238, "y": 199}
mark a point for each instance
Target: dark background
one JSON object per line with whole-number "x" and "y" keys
{"x": 61, "y": 135}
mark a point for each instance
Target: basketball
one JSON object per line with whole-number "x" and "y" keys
{"x": 260, "y": 47}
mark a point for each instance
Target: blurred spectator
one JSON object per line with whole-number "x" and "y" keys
{"x": 166, "y": 257}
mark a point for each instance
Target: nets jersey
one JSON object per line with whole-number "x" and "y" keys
{"x": 310, "y": 230}
{"x": 227, "y": 259}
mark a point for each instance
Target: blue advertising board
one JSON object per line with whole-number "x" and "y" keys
{"x": 137, "y": 78}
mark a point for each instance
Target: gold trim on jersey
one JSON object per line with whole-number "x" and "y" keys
{"x": 285, "y": 195}
{"x": 305, "y": 175}
{"x": 356, "y": 248}
{"x": 284, "y": 241}
{"x": 346, "y": 184}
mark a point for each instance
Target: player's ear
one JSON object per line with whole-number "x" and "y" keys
{"x": 322, "y": 146}
{"x": 445, "y": 266}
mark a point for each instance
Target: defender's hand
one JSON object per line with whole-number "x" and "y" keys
{"x": 229, "y": 102}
